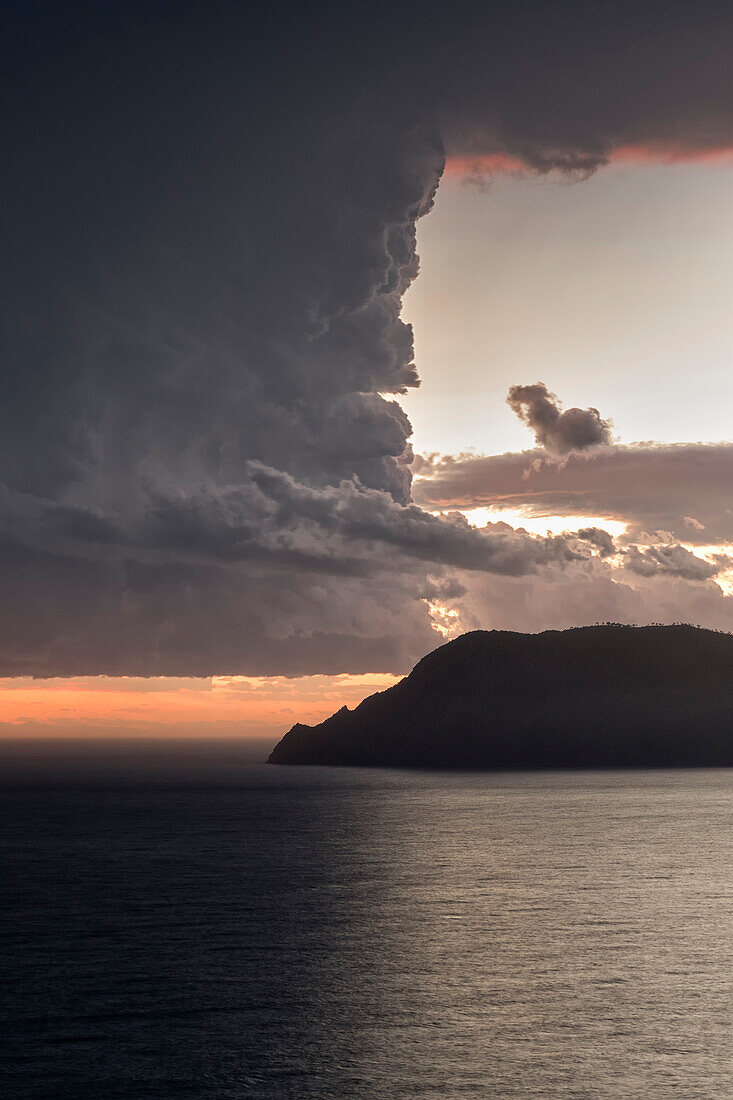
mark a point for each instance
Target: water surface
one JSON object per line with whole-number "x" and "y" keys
{"x": 305, "y": 932}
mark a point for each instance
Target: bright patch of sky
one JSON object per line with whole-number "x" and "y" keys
{"x": 615, "y": 291}
{"x": 540, "y": 525}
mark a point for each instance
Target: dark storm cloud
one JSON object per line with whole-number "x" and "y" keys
{"x": 567, "y": 83}
{"x": 358, "y": 516}
{"x": 558, "y": 432}
{"x": 331, "y": 578}
{"x": 211, "y": 223}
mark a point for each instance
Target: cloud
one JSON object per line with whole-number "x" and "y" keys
{"x": 648, "y": 486}
{"x": 643, "y": 575}
{"x": 558, "y": 432}
{"x": 206, "y": 466}
{"x": 586, "y": 593}
{"x": 586, "y": 83}
{"x": 599, "y": 538}
{"x": 370, "y": 519}
{"x": 674, "y": 561}
{"x": 275, "y": 575}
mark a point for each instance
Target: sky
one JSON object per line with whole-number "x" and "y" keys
{"x": 336, "y": 330}
{"x": 615, "y": 289}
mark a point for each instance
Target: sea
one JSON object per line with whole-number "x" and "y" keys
{"x": 193, "y": 923}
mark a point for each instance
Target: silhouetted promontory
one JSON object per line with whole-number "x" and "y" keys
{"x": 591, "y": 697}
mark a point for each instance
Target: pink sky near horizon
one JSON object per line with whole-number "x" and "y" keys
{"x": 221, "y": 706}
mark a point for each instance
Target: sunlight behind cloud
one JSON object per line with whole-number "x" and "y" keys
{"x": 540, "y": 525}
{"x": 710, "y": 553}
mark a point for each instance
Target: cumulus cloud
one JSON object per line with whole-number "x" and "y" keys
{"x": 674, "y": 561}
{"x": 644, "y": 574}
{"x": 588, "y": 593}
{"x": 599, "y": 538}
{"x": 370, "y": 518}
{"x": 558, "y": 432}
{"x": 273, "y": 573}
{"x": 211, "y": 227}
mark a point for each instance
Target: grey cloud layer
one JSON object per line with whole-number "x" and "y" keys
{"x": 684, "y": 489}
{"x": 287, "y": 577}
{"x": 212, "y": 224}
{"x": 643, "y": 575}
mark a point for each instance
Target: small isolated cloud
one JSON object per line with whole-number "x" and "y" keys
{"x": 560, "y": 433}
{"x": 693, "y": 524}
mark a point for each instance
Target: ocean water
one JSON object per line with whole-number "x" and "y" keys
{"x": 252, "y": 931}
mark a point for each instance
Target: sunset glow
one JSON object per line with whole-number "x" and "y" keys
{"x": 538, "y": 524}
{"x": 500, "y": 163}
{"x": 161, "y": 706}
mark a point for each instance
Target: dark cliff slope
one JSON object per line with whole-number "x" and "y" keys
{"x": 600, "y": 696}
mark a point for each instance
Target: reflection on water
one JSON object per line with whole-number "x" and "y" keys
{"x": 336, "y": 933}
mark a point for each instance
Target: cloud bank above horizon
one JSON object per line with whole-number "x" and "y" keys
{"x": 205, "y": 466}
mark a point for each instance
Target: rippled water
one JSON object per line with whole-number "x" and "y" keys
{"x": 342, "y": 933}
